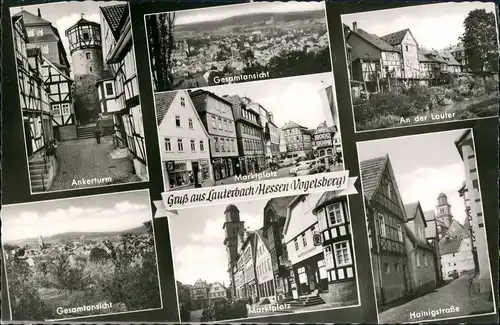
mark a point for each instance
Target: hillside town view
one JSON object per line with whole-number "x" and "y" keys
{"x": 428, "y": 248}
{"x": 412, "y": 75}
{"x": 236, "y": 44}
{"x": 80, "y": 273}
{"x": 238, "y": 133}
{"x": 268, "y": 257}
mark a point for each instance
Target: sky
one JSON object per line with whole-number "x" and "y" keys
{"x": 63, "y": 15}
{"x": 99, "y": 213}
{"x": 218, "y": 13}
{"x": 287, "y": 98}
{"x": 434, "y": 26}
{"x": 424, "y": 166}
{"x": 197, "y": 240}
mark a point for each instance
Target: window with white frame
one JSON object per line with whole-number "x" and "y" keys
{"x": 31, "y": 32}
{"x": 342, "y": 253}
{"x": 304, "y": 240}
{"x": 108, "y": 86}
{"x": 39, "y": 32}
{"x": 56, "y": 110}
{"x": 335, "y": 214}
{"x": 214, "y": 123}
{"x": 88, "y": 55}
{"x": 65, "y": 109}
{"x": 220, "y": 123}
{"x": 183, "y": 101}
{"x": 180, "y": 145}
{"x": 202, "y": 145}
{"x": 400, "y": 233}
{"x": 328, "y": 256}
{"x": 417, "y": 259}
{"x": 190, "y": 122}
{"x": 168, "y": 145}
{"x": 45, "y": 48}
{"x": 193, "y": 146}
{"x": 178, "y": 121}
{"x": 296, "y": 244}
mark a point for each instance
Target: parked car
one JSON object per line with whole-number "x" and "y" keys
{"x": 286, "y": 162}
{"x": 453, "y": 274}
{"x": 302, "y": 165}
{"x": 314, "y": 168}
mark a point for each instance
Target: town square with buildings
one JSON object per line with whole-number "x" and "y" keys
{"x": 431, "y": 63}
{"x": 244, "y": 132}
{"x": 428, "y": 249}
{"x": 237, "y": 43}
{"x": 80, "y": 257}
{"x": 269, "y": 257}
{"x": 78, "y": 92}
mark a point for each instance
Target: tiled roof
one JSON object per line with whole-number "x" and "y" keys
{"x": 375, "y": 40}
{"x": 162, "y": 103}
{"x": 198, "y": 98}
{"x": 114, "y": 15}
{"x": 411, "y": 210}
{"x": 415, "y": 240}
{"x": 83, "y": 21}
{"x": 31, "y": 19}
{"x": 449, "y": 246}
{"x": 279, "y": 205}
{"x": 429, "y": 215}
{"x": 396, "y": 37}
{"x": 371, "y": 171}
{"x": 291, "y": 125}
{"x": 260, "y": 233}
{"x": 449, "y": 58}
{"x": 429, "y": 56}
{"x": 325, "y": 199}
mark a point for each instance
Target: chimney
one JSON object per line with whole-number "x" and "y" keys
{"x": 39, "y": 13}
{"x": 355, "y": 26}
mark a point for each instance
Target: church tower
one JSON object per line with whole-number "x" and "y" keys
{"x": 443, "y": 210}
{"x": 40, "y": 242}
{"x": 233, "y": 228}
{"x": 85, "y": 47}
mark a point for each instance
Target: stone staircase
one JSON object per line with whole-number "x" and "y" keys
{"x": 312, "y": 299}
{"x": 38, "y": 175}
{"x": 85, "y": 131}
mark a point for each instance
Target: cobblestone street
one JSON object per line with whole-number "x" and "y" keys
{"x": 454, "y": 294}
{"x": 85, "y": 159}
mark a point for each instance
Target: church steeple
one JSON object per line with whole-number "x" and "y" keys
{"x": 443, "y": 209}
{"x": 40, "y": 242}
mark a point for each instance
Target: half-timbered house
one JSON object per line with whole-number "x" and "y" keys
{"x": 122, "y": 86}
{"x": 34, "y": 102}
{"x": 386, "y": 218}
{"x": 335, "y": 236}
{"x": 61, "y": 100}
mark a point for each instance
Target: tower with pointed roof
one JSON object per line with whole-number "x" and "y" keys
{"x": 233, "y": 228}
{"x": 443, "y": 209}
{"x": 85, "y": 47}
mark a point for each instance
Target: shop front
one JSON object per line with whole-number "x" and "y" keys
{"x": 309, "y": 275}
{"x": 225, "y": 167}
{"x": 186, "y": 173}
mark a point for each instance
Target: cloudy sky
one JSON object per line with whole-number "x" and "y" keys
{"x": 424, "y": 165}
{"x": 63, "y": 15}
{"x": 434, "y": 26}
{"x": 99, "y": 213}
{"x": 218, "y": 13}
{"x": 197, "y": 240}
{"x": 287, "y": 98}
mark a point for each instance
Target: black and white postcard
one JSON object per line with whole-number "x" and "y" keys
{"x": 237, "y": 43}
{"x": 78, "y": 94}
{"x": 426, "y": 226}
{"x": 422, "y": 64}
{"x": 260, "y": 258}
{"x": 81, "y": 257}
{"x": 249, "y": 132}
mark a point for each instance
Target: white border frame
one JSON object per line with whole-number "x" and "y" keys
{"x": 355, "y": 264}
{"x": 356, "y": 131}
{"x": 95, "y": 315}
{"x": 22, "y": 113}
{"x": 482, "y": 209}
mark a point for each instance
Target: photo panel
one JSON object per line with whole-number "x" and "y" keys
{"x": 261, "y": 258}
{"x": 81, "y": 257}
{"x": 78, "y": 95}
{"x": 237, "y": 43}
{"x": 422, "y": 64}
{"x": 426, "y": 228}
{"x": 244, "y": 132}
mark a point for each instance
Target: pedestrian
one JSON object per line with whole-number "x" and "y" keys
{"x": 97, "y": 133}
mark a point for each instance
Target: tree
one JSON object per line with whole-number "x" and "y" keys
{"x": 98, "y": 255}
{"x": 160, "y": 33}
{"x": 480, "y": 39}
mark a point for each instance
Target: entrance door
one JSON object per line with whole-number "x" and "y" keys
{"x": 196, "y": 170}
{"x": 27, "y": 136}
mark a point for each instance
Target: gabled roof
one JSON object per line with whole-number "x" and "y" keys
{"x": 162, "y": 104}
{"x": 397, "y": 38}
{"x": 260, "y": 235}
{"x": 294, "y": 202}
{"x": 373, "y": 40}
{"x": 292, "y": 125}
{"x": 371, "y": 173}
{"x": 32, "y": 19}
{"x": 115, "y": 16}
{"x": 411, "y": 210}
{"x": 417, "y": 241}
{"x": 279, "y": 205}
{"x": 327, "y": 198}
{"x": 429, "y": 56}
{"x": 449, "y": 246}
{"x": 198, "y": 97}
{"x": 449, "y": 58}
